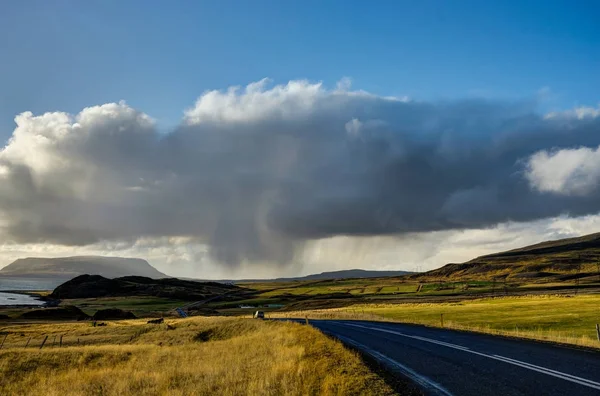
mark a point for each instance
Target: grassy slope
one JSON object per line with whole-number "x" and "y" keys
{"x": 201, "y": 356}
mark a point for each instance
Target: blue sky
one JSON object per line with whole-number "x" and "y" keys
{"x": 160, "y": 56}
{"x": 361, "y": 175}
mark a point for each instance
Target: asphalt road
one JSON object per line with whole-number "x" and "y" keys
{"x": 446, "y": 362}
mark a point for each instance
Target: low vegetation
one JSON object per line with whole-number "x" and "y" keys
{"x": 557, "y": 318}
{"x": 201, "y": 356}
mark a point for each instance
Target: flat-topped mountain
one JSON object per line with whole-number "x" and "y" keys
{"x": 69, "y": 267}
{"x": 562, "y": 259}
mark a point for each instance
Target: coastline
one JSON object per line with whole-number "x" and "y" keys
{"x": 39, "y": 294}
{"x": 40, "y": 299}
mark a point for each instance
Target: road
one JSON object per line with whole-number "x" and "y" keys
{"x": 446, "y": 362}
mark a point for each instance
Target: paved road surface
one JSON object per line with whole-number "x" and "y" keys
{"x": 446, "y": 362}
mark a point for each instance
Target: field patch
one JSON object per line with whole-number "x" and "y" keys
{"x": 201, "y": 356}
{"x": 560, "y": 318}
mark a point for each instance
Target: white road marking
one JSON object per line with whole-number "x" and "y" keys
{"x": 529, "y": 366}
{"x": 431, "y": 386}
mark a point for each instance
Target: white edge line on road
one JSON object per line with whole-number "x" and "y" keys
{"x": 430, "y": 385}
{"x": 546, "y": 370}
{"x": 529, "y": 366}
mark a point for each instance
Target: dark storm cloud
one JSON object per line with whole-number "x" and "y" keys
{"x": 256, "y": 172}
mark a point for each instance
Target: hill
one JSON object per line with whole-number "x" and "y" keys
{"x": 69, "y": 267}
{"x": 94, "y": 286}
{"x": 561, "y": 259}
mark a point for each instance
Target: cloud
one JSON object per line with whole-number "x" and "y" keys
{"x": 579, "y": 113}
{"x": 565, "y": 172}
{"x": 255, "y": 103}
{"x": 257, "y": 174}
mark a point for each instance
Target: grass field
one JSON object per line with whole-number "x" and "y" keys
{"x": 303, "y": 295}
{"x": 139, "y": 305}
{"x": 399, "y": 288}
{"x": 201, "y": 356}
{"x": 568, "y": 319}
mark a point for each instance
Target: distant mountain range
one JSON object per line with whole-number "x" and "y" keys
{"x": 346, "y": 274}
{"x": 70, "y": 267}
{"x": 64, "y": 268}
{"x": 343, "y": 274}
{"x": 562, "y": 259}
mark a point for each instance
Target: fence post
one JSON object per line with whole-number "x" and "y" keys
{"x": 60, "y": 345}
{"x": 1, "y": 345}
{"x": 598, "y": 331}
{"x": 442, "y": 320}
{"x": 27, "y": 344}
{"x": 53, "y": 341}
{"x": 43, "y": 342}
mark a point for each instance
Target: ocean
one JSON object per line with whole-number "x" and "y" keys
{"x": 18, "y": 299}
{"x": 8, "y": 283}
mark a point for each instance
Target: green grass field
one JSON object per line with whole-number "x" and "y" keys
{"x": 367, "y": 288}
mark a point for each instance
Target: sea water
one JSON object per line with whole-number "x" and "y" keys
{"x": 9, "y": 283}
{"x": 24, "y": 284}
{"x": 18, "y": 299}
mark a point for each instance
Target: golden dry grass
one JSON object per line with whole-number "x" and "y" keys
{"x": 553, "y": 318}
{"x": 197, "y": 356}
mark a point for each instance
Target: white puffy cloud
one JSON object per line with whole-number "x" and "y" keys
{"x": 568, "y": 171}
{"x": 579, "y": 113}
{"x": 270, "y": 174}
{"x": 255, "y": 103}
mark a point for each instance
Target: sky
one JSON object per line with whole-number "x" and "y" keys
{"x": 394, "y": 135}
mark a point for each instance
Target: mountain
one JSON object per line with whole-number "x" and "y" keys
{"x": 69, "y": 267}
{"x": 346, "y": 274}
{"x": 562, "y": 259}
{"x": 343, "y": 274}
{"x": 92, "y": 286}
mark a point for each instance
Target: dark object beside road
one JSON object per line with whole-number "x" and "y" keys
{"x": 68, "y": 312}
{"x": 112, "y": 314}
